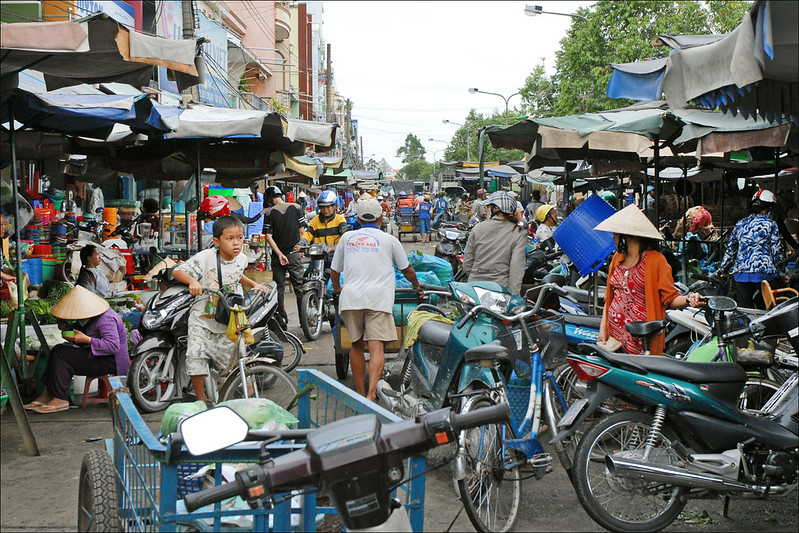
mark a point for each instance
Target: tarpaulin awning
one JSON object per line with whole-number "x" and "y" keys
{"x": 92, "y": 115}
{"x": 216, "y": 122}
{"x": 501, "y": 171}
{"x": 641, "y": 80}
{"x": 319, "y": 133}
{"x": 91, "y": 50}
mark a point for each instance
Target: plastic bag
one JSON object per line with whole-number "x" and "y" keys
{"x": 258, "y": 412}
{"x": 176, "y": 411}
{"x": 430, "y": 263}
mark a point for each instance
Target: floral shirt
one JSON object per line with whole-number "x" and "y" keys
{"x": 756, "y": 249}
{"x": 628, "y": 304}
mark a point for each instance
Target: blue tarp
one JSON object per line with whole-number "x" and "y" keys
{"x": 637, "y": 81}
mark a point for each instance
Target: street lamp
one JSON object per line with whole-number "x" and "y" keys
{"x": 468, "y": 139}
{"x": 435, "y": 152}
{"x": 473, "y": 90}
{"x": 532, "y": 11}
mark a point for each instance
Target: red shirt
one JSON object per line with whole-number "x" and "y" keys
{"x": 628, "y": 304}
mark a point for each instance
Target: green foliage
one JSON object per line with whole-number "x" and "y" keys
{"x": 417, "y": 170}
{"x": 53, "y": 290}
{"x": 41, "y": 308}
{"x": 412, "y": 150}
{"x": 457, "y": 149}
{"x": 378, "y": 166}
{"x": 5, "y": 309}
{"x": 538, "y": 94}
{"x": 725, "y": 15}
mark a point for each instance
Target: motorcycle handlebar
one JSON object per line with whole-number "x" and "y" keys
{"x": 480, "y": 417}
{"x": 195, "y": 500}
{"x": 730, "y": 335}
{"x": 223, "y": 301}
{"x": 545, "y": 289}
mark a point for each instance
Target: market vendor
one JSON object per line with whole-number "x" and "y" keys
{"x": 7, "y": 274}
{"x": 98, "y": 346}
{"x": 91, "y": 276}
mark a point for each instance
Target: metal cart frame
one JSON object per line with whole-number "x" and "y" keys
{"x": 408, "y": 223}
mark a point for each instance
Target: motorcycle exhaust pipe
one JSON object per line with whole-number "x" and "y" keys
{"x": 674, "y": 476}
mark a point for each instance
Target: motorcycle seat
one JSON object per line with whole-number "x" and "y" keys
{"x": 492, "y": 351}
{"x": 645, "y": 329}
{"x": 589, "y": 321}
{"x": 435, "y": 333}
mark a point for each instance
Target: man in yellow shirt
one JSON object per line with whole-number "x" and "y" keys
{"x": 328, "y": 226}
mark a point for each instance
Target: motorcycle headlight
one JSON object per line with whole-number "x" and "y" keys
{"x": 153, "y": 318}
{"x": 317, "y": 249}
{"x": 496, "y": 301}
{"x": 465, "y": 298}
{"x": 451, "y": 235}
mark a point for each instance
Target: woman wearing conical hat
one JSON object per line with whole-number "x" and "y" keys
{"x": 640, "y": 286}
{"x": 99, "y": 346}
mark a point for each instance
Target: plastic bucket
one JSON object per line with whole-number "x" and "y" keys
{"x": 49, "y": 266}
{"x": 586, "y": 247}
{"x": 128, "y": 255}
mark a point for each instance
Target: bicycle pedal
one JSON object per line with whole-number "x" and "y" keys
{"x": 541, "y": 460}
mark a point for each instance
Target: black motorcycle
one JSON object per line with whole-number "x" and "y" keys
{"x": 315, "y": 306}
{"x": 451, "y": 244}
{"x": 157, "y": 376}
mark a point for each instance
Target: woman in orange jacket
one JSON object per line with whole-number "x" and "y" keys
{"x": 640, "y": 286}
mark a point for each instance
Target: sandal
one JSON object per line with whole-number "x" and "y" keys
{"x": 33, "y": 405}
{"x": 47, "y": 408}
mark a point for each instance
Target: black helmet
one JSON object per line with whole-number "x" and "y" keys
{"x": 271, "y": 192}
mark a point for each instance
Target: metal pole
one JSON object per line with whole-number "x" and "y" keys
{"x": 657, "y": 182}
{"x": 199, "y": 188}
{"x": 481, "y": 155}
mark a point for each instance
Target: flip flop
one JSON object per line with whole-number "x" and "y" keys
{"x": 46, "y": 408}
{"x": 33, "y": 405}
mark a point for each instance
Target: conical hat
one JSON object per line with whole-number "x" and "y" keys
{"x": 630, "y": 221}
{"x": 79, "y": 303}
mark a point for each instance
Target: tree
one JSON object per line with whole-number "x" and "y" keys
{"x": 538, "y": 94}
{"x": 622, "y": 32}
{"x": 457, "y": 149}
{"x": 378, "y": 166}
{"x": 412, "y": 153}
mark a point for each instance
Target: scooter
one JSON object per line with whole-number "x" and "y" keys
{"x": 157, "y": 377}
{"x": 356, "y": 461}
{"x": 315, "y": 306}
{"x": 451, "y": 243}
{"x": 680, "y": 434}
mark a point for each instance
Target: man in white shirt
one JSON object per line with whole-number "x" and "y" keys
{"x": 367, "y": 257}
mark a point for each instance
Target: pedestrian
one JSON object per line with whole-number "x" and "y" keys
{"x": 367, "y": 258}
{"x": 283, "y": 235}
{"x": 755, "y": 251}
{"x": 328, "y": 226}
{"x": 547, "y": 216}
{"x": 97, "y": 346}
{"x": 423, "y": 208}
{"x": 478, "y": 208}
{"x": 463, "y": 208}
{"x": 91, "y": 276}
{"x": 222, "y": 269}
{"x": 496, "y": 249}
{"x": 440, "y": 208}
{"x": 532, "y": 207}
{"x": 640, "y": 286}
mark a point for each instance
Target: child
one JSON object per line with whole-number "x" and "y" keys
{"x": 207, "y": 339}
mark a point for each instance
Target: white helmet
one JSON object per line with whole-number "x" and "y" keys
{"x": 764, "y": 198}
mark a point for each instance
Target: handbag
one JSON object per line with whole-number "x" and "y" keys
{"x": 222, "y": 315}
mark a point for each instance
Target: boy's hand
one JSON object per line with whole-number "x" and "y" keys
{"x": 283, "y": 259}
{"x": 195, "y": 288}
{"x": 262, "y": 288}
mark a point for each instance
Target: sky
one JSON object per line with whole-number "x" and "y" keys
{"x": 406, "y": 66}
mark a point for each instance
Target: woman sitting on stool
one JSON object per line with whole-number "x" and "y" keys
{"x": 91, "y": 276}
{"x": 99, "y": 347}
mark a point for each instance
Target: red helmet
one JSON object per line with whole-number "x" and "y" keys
{"x": 214, "y": 206}
{"x": 480, "y": 192}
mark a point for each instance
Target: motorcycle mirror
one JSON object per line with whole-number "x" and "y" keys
{"x": 721, "y": 303}
{"x": 213, "y": 430}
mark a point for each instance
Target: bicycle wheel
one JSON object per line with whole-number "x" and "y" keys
{"x": 757, "y": 392}
{"x": 490, "y": 491}
{"x": 571, "y": 390}
{"x": 97, "y": 494}
{"x": 263, "y": 381}
{"x": 152, "y": 385}
{"x": 310, "y": 317}
{"x": 622, "y": 503}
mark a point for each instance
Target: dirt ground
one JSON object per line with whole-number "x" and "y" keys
{"x": 41, "y": 493}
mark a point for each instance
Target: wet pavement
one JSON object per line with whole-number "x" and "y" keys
{"x": 41, "y": 493}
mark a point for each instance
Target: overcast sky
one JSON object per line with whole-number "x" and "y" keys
{"x": 406, "y": 66}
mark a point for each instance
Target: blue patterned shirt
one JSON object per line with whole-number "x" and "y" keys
{"x": 756, "y": 249}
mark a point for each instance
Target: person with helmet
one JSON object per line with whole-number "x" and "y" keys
{"x": 283, "y": 232}
{"x": 640, "y": 285}
{"x": 755, "y": 250}
{"x": 547, "y": 216}
{"x": 328, "y": 226}
{"x": 216, "y": 206}
{"x": 463, "y": 208}
{"x": 478, "y": 206}
{"x": 496, "y": 249}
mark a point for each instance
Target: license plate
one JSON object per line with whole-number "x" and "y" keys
{"x": 573, "y": 412}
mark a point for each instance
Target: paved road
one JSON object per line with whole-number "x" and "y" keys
{"x": 40, "y": 493}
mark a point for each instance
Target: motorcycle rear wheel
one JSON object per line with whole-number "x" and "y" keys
{"x": 310, "y": 317}
{"x": 342, "y": 365}
{"x": 152, "y": 387}
{"x": 624, "y": 503}
{"x": 491, "y": 492}
{"x": 263, "y": 381}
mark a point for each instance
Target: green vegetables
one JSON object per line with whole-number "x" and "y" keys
{"x": 53, "y": 290}
{"x": 41, "y": 308}
{"x": 5, "y": 309}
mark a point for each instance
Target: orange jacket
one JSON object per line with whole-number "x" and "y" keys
{"x": 658, "y": 294}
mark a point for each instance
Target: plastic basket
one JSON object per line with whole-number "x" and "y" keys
{"x": 586, "y": 247}
{"x": 33, "y": 268}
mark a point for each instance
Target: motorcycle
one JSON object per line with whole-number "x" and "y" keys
{"x": 315, "y": 306}
{"x": 157, "y": 376}
{"x": 680, "y": 433}
{"x": 452, "y": 241}
{"x": 356, "y": 461}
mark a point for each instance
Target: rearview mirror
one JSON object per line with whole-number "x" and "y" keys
{"x": 213, "y": 430}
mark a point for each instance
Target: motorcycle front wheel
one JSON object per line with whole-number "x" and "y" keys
{"x": 262, "y": 381}
{"x": 625, "y": 503}
{"x": 491, "y": 490}
{"x": 310, "y": 315}
{"x": 152, "y": 385}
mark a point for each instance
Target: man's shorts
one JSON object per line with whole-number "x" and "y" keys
{"x": 424, "y": 225}
{"x": 368, "y": 325}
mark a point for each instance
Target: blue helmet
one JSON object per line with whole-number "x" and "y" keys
{"x": 327, "y": 198}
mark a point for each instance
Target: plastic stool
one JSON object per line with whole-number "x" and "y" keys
{"x": 103, "y": 388}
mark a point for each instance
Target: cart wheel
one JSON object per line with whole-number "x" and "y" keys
{"x": 414, "y": 238}
{"x": 342, "y": 365}
{"x": 97, "y": 494}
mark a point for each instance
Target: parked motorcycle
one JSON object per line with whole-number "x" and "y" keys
{"x": 451, "y": 244}
{"x": 157, "y": 376}
{"x": 681, "y": 434}
{"x": 315, "y": 306}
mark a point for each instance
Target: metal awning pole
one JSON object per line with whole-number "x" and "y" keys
{"x": 199, "y": 188}
{"x": 657, "y": 182}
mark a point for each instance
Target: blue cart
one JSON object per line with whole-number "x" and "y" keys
{"x": 408, "y": 222}
{"x": 138, "y": 482}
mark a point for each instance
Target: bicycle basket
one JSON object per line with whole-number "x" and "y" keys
{"x": 550, "y": 334}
